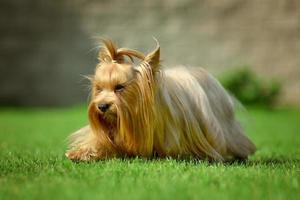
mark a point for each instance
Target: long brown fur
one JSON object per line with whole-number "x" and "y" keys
{"x": 175, "y": 112}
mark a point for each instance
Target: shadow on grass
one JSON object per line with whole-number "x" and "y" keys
{"x": 13, "y": 162}
{"x": 268, "y": 162}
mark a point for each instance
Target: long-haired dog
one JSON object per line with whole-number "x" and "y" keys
{"x": 147, "y": 111}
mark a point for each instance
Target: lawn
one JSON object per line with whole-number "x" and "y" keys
{"x": 33, "y": 166}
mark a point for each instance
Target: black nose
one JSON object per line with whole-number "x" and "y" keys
{"x": 103, "y": 107}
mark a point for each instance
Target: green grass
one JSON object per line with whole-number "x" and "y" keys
{"x": 33, "y": 166}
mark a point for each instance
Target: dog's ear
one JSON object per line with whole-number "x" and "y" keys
{"x": 153, "y": 58}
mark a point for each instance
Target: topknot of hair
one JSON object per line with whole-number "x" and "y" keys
{"x": 109, "y": 52}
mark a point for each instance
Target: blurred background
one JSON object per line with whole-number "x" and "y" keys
{"x": 46, "y": 45}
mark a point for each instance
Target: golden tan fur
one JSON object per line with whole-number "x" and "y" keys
{"x": 177, "y": 112}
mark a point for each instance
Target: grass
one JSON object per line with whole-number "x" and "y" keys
{"x": 33, "y": 166}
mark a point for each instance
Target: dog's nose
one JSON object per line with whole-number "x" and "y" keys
{"x": 103, "y": 107}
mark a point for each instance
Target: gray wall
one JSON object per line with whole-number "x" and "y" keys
{"x": 43, "y": 51}
{"x": 44, "y": 45}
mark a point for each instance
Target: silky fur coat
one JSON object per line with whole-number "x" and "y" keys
{"x": 154, "y": 111}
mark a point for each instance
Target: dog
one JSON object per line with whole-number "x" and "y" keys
{"x": 141, "y": 109}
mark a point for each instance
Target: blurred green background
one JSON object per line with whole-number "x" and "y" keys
{"x": 45, "y": 45}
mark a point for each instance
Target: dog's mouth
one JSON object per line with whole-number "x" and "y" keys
{"x": 109, "y": 117}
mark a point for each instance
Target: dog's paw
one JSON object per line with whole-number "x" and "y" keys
{"x": 80, "y": 155}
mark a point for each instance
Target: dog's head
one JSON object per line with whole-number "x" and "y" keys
{"x": 122, "y": 91}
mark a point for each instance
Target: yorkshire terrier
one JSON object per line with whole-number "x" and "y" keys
{"x": 144, "y": 110}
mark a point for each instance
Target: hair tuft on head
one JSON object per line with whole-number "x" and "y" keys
{"x": 109, "y": 52}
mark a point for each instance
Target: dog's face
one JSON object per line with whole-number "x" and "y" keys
{"x": 111, "y": 83}
{"x": 121, "y": 89}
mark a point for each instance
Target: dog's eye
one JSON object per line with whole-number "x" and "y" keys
{"x": 98, "y": 89}
{"x": 119, "y": 88}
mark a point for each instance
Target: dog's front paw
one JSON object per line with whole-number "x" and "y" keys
{"x": 80, "y": 155}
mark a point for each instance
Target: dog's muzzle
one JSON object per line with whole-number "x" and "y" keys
{"x": 103, "y": 107}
